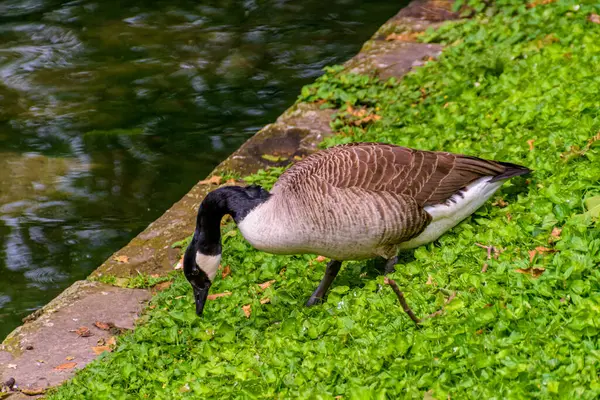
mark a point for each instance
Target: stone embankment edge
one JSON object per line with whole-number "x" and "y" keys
{"x": 47, "y": 339}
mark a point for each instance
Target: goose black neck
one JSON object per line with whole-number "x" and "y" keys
{"x": 236, "y": 201}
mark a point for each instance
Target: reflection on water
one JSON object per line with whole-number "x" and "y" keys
{"x": 110, "y": 111}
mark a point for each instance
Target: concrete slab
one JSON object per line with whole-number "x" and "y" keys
{"x": 31, "y": 353}
{"x": 392, "y": 58}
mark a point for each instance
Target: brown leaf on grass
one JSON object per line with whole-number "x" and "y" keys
{"x": 230, "y": 181}
{"x": 69, "y": 365}
{"x": 159, "y": 287}
{"x": 500, "y": 203}
{"x": 179, "y": 264}
{"x": 320, "y": 258}
{"x": 429, "y": 280}
{"x": 226, "y": 272}
{"x": 532, "y": 254}
{"x": 576, "y": 151}
{"x": 362, "y": 116}
{"x": 83, "y": 331}
{"x": 535, "y": 272}
{"x": 247, "y": 309}
{"x": 404, "y": 37}
{"x": 100, "y": 349}
{"x": 555, "y": 234}
{"x": 217, "y": 295}
{"x": 265, "y": 300}
{"x": 536, "y": 3}
{"x": 121, "y": 259}
{"x": 266, "y": 284}
{"x": 213, "y": 180}
{"x": 111, "y": 341}
{"x": 539, "y": 250}
{"x": 367, "y": 119}
{"x": 530, "y": 143}
{"x": 595, "y": 18}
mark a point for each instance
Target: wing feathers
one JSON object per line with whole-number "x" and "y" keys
{"x": 428, "y": 177}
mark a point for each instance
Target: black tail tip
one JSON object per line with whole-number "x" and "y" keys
{"x": 510, "y": 171}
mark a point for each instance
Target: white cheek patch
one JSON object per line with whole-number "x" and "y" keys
{"x": 208, "y": 264}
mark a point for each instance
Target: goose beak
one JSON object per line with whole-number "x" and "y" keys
{"x": 200, "y": 295}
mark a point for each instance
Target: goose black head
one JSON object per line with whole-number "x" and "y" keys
{"x": 203, "y": 255}
{"x": 200, "y": 269}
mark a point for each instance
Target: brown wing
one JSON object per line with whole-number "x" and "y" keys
{"x": 428, "y": 177}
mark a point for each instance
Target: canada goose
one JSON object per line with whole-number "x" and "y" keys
{"x": 348, "y": 202}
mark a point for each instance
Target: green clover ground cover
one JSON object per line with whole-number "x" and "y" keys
{"x": 518, "y": 84}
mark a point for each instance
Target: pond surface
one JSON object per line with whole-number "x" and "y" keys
{"x": 111, "y": 111}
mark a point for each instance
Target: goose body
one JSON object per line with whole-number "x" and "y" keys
{"x": 351, "y": 202}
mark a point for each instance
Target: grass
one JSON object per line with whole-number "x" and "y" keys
{"x": 516, "y": 84}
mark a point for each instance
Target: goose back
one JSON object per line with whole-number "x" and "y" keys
{"x": 428, "y": 177}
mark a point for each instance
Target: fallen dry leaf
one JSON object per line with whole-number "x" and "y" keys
{"x": 69, "y": 365}
{"x": 33, "y": 392}
{"x": 69, "y": 358}
{"x": 536, "y": 3}
{"x": 226, "y": 272}
{"x": 539, "y": 250}
{"x": 595, "y": 18}
{"x": 230, "y": 181}
{"x": 320, "y": 258}
{"x": 111, "y": 341}
{"x": 12, "y": 366}
{"x": 101, "y": 349}
{"x": 367, "y": 119}
{"x": 154, "y": 276}
{"x": 217, "y": 295}
{"x": 247, "y": 310}
{"x": 121, "y": 259}
{"x": 266, "y": 284}
{"x": 265, "y": 300}
{"x": 535, "y": 272}
{"x": 429, "y": 280}
{"x": 105, "y": 326}
{"x": 361, "y": 114}
{"x": 405, "y": 37}
{"x": 162, "y": 286}
{"x": 555, "y": 234}
{"x": 532, "y": 254}
{"x": 213, "y": 180}
{"x": 83, "y": 331}
{"x": 179, "y": 264}
{"x": 500, "y": 203}
{"x": 530, "y": 142}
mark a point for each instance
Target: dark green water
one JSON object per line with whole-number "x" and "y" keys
{"x": 110, "y": 111}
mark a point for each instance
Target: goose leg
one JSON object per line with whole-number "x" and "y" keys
{"x": 390, "y": 265}
{"x": 330, "y": 273}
